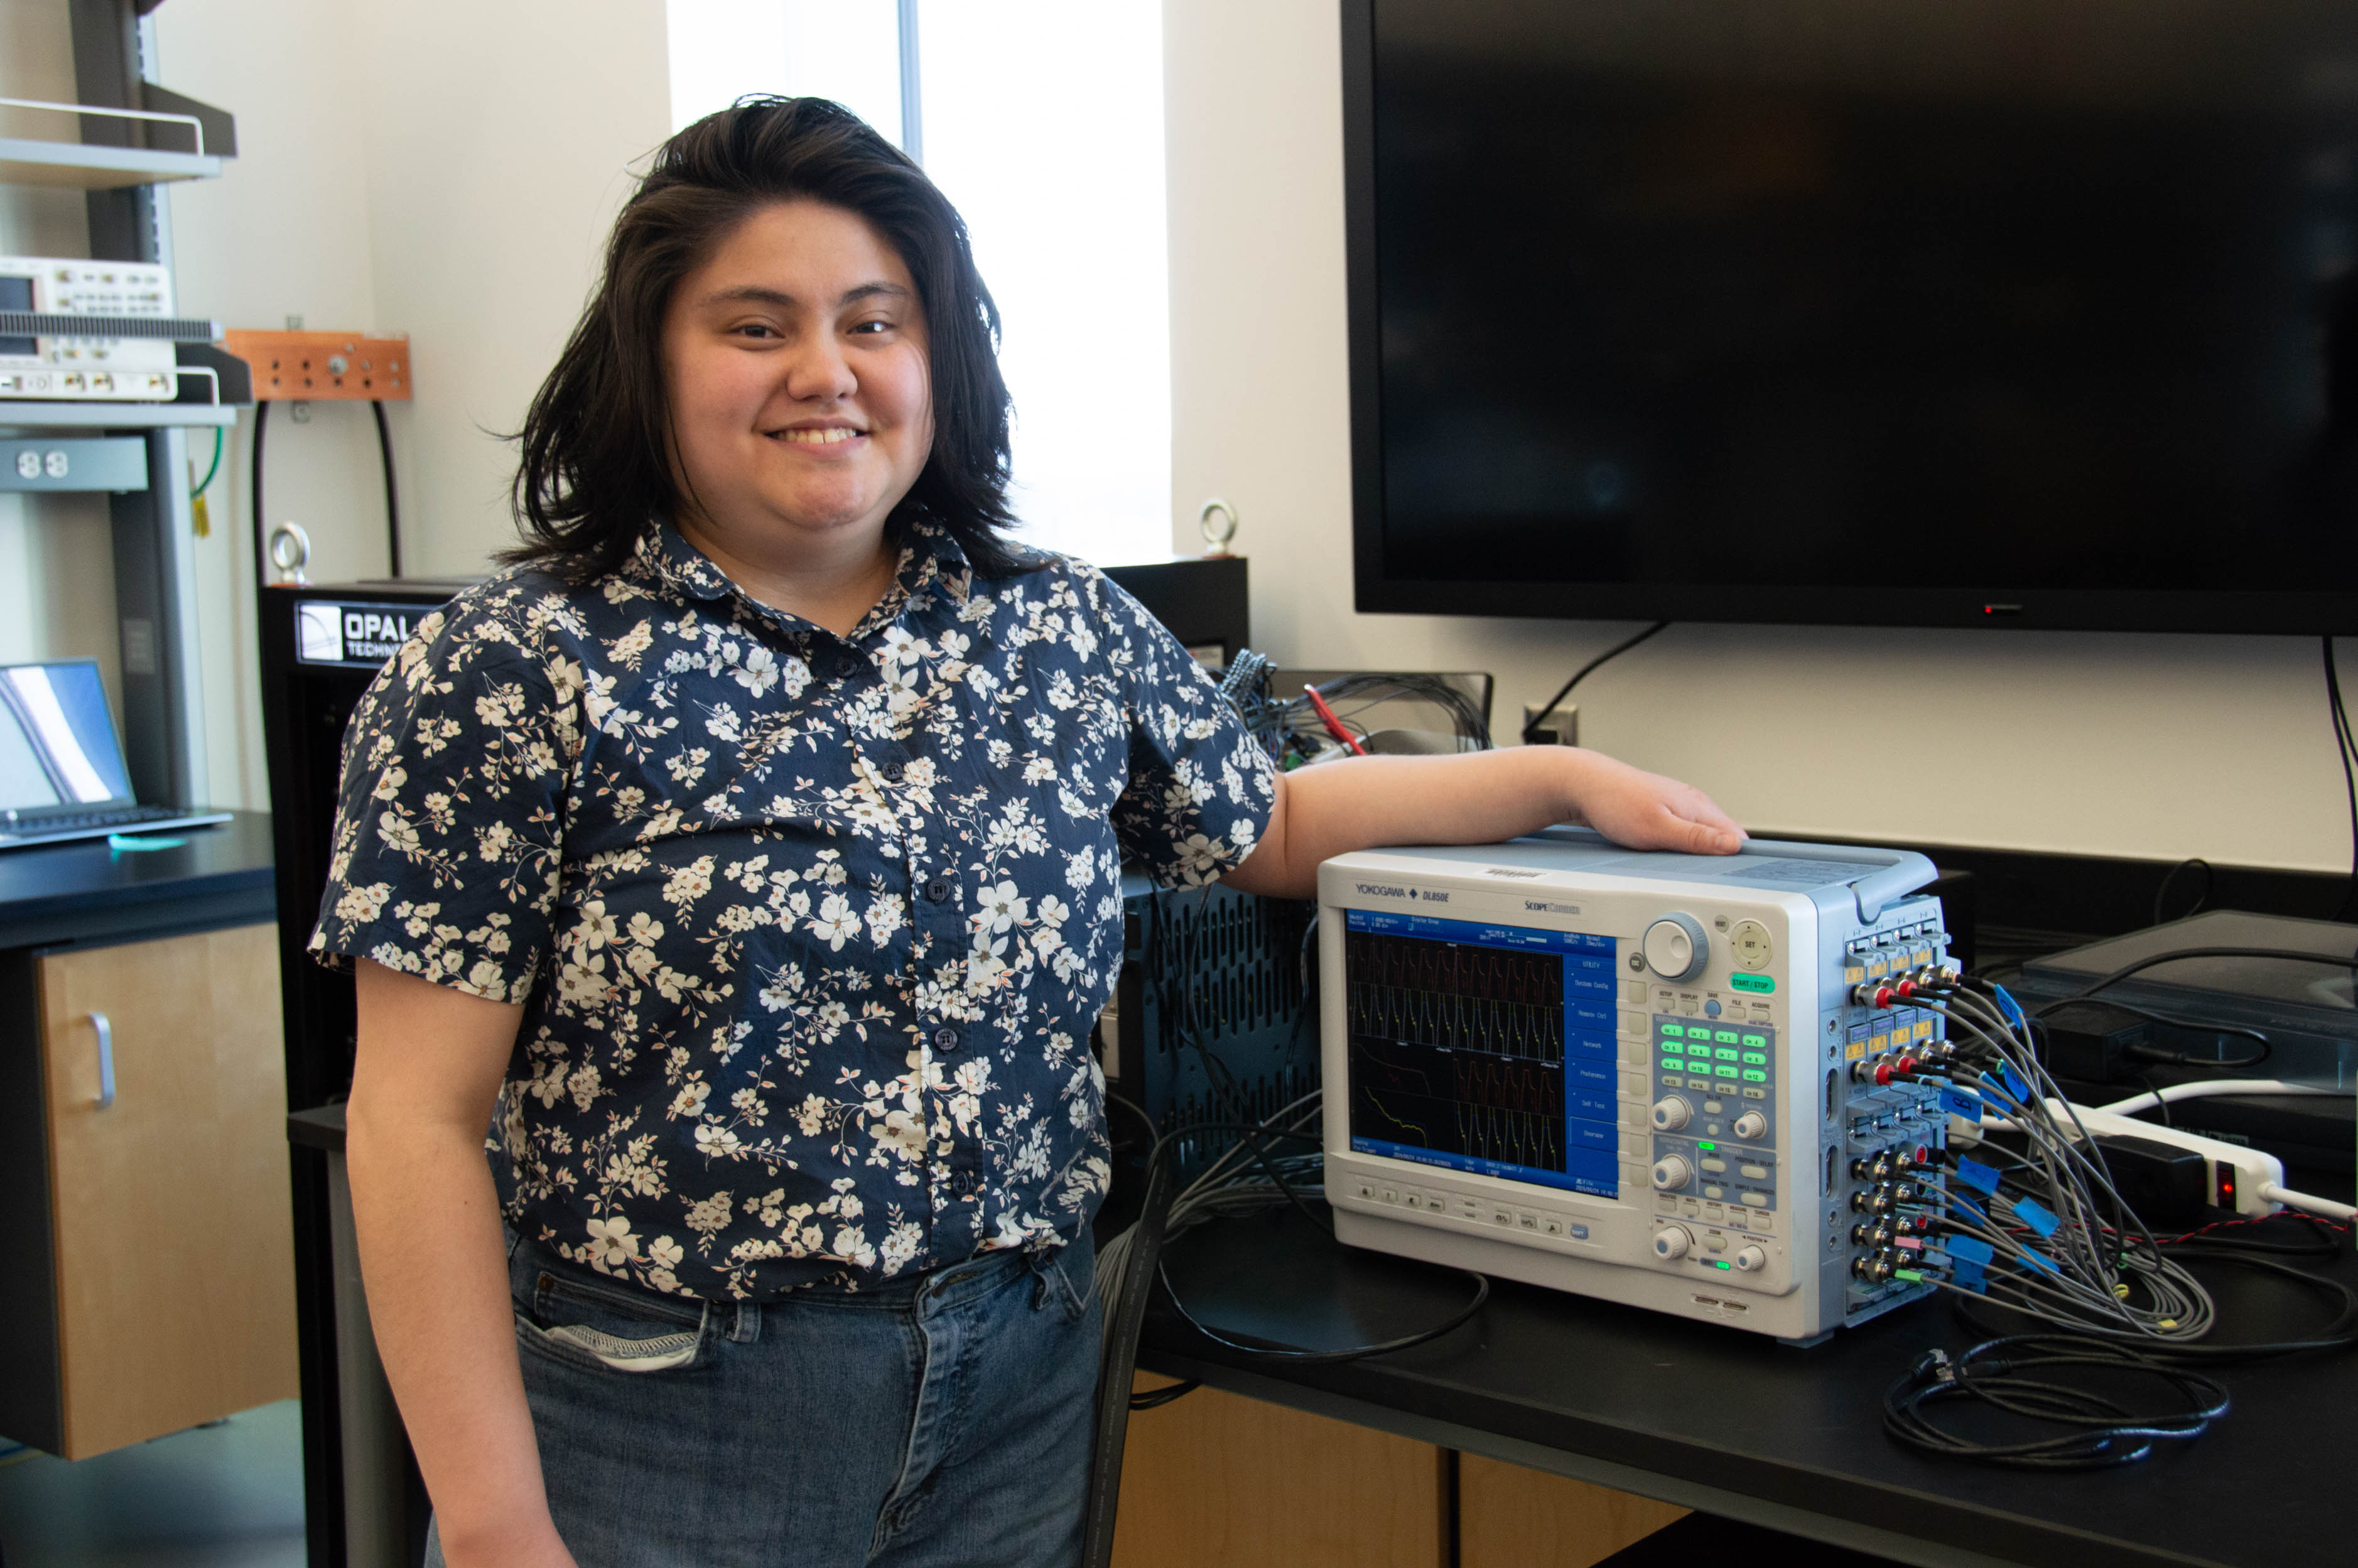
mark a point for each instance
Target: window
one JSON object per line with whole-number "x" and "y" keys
{"x": 1043, "y": 120}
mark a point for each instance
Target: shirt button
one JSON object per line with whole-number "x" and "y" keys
{"x": 938, "y": 890}
{"x": 945, "y": 1039}
{"x": 893, "y": 772}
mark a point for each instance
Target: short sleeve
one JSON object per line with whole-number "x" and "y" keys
{"x": 1201, "y": 788}
{"x": 449, "y": 820}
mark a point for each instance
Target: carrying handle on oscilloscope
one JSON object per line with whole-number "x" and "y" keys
{"x": 1901, "y": 871}
{"x": 1897, "y": 872}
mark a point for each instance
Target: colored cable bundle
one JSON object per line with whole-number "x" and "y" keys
{"x": 2042, "y": 1232}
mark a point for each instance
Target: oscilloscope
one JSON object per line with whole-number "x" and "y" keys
{"x": 1680, "y": 1082}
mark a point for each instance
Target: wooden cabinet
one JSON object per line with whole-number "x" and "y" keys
{"x": 1213, "y": 1480}
{"x": 151, "y": 1277}
{"x": 1510, "y": 1517}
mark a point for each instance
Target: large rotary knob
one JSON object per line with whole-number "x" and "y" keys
{"x": 1675, "y": 948}
{"x": 1672, "y": 1243}
{"x": 1671, "y": 1172}
{"x": 1671, "y": 1112}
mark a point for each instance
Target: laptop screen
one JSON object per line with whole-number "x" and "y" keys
{"x": 57, "y": 740}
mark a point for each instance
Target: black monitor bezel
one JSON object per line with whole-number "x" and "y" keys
{"x": 1862, "y": 601}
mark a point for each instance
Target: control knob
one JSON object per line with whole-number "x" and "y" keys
{"x": 1749, "y": 1261}
{"x": 1671, "y": 1173}
{"x": 1670, "y": 1243}
{"x": 1749, "y": 1127}
{"x": 1676, "y": 948}
{"x": 1670, "y": 1113}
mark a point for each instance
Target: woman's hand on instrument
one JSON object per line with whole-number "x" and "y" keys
{"x": 1640, "y": 810}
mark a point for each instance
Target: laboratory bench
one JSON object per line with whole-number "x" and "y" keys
{"x": 1632, "y": 1405}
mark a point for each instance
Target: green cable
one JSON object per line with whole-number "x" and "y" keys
{"x": 208, "y": 480}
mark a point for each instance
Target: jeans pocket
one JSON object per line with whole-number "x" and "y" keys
{"x": 589, "y": 1325}
{"x": 1066, "y": 1276}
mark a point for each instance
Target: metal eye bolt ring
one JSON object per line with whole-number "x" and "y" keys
{"x": 1217, "y": 539}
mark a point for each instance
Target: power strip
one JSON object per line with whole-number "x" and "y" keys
{"x": 2238, "y": 1177}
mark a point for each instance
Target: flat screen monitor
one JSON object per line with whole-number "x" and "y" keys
{"x": 2027, "y": 312}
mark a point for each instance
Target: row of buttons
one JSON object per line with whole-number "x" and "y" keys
{"x": 1737, "y": 1036}
{"x": 1717, "y": 1213}
{"x": 1722, "y": 1053}
{"x": 1539, "y": 1222}
{"x": 1725, "y": 1070}
{"x": 1690, "y": 1005}
{"x": 1754, "y": 1090}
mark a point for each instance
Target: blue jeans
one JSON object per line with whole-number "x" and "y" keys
{"x": 941, "y": 1420}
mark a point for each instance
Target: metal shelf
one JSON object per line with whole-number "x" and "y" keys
{"x": 85, "y": 167}
{"x": 95, "y": 416}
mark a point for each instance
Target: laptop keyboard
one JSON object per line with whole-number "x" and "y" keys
{"x": 115, "y": 816}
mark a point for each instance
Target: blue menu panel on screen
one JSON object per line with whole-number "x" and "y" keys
{"x": 1485, "y": 1048}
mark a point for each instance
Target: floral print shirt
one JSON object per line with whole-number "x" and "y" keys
{"x": 810, "y": 931}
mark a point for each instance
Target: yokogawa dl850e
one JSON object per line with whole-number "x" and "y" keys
{"x": 1682, "y": 1082}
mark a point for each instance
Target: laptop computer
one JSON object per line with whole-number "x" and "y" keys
{"x": 61, "y": 773}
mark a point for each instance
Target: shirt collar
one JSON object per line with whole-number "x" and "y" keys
{"x": 668, "y": 557}
{"x": 931, "y": 556}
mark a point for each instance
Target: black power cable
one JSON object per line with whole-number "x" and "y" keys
{"x": 2098, "y": 1433}
{"x": 2286, "y": 954}
{"x": 1582, "y": 673}
{"x": 392, "y": 499}
{"x": 1144, "y": 1262}
{"x": 392, "y": 504}
{"x": 2345, "y": 745}
{"x": 2162, "y": 893}
{"x": 253, "y": 484}
{"x": 1142, "y": 1269}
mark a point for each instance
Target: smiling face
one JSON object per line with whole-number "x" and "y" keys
{"x": 801, "y": 395}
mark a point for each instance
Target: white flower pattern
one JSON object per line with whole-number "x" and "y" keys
{"x": 805, "y": 928}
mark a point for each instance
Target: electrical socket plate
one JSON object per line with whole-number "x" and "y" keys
{"x": 1564, "y": 723}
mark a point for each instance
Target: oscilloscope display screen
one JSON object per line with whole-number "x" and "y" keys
{"x": 1485, "y": 1048}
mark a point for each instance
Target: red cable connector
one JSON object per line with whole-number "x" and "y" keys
{"x": 1334, "y": 725}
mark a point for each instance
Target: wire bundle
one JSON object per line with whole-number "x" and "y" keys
{"x": 2044, "y": 1233}
{"x": 1294, "y": 730}
{"x": 1231, "y": 1185}
{"x": 2057, "y": 1252}
{"x": 2100, "y": 1430}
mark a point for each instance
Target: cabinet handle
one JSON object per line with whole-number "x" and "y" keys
{"x": 105, "y": 1030}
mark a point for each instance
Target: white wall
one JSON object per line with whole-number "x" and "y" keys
{"x": 2147, "y": 745}
{"x": 443, "y": 169}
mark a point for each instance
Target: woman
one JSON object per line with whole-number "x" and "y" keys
{"x": 747, "y": 857}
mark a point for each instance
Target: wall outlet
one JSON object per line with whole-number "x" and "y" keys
{"x": 1562, "y": 729}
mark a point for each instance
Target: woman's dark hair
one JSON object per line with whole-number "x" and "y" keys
{"x": 596, "y": 469}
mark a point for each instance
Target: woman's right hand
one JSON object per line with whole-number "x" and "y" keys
{"x": 534, "y": 1548}
{"x": 435, "y": 1261}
